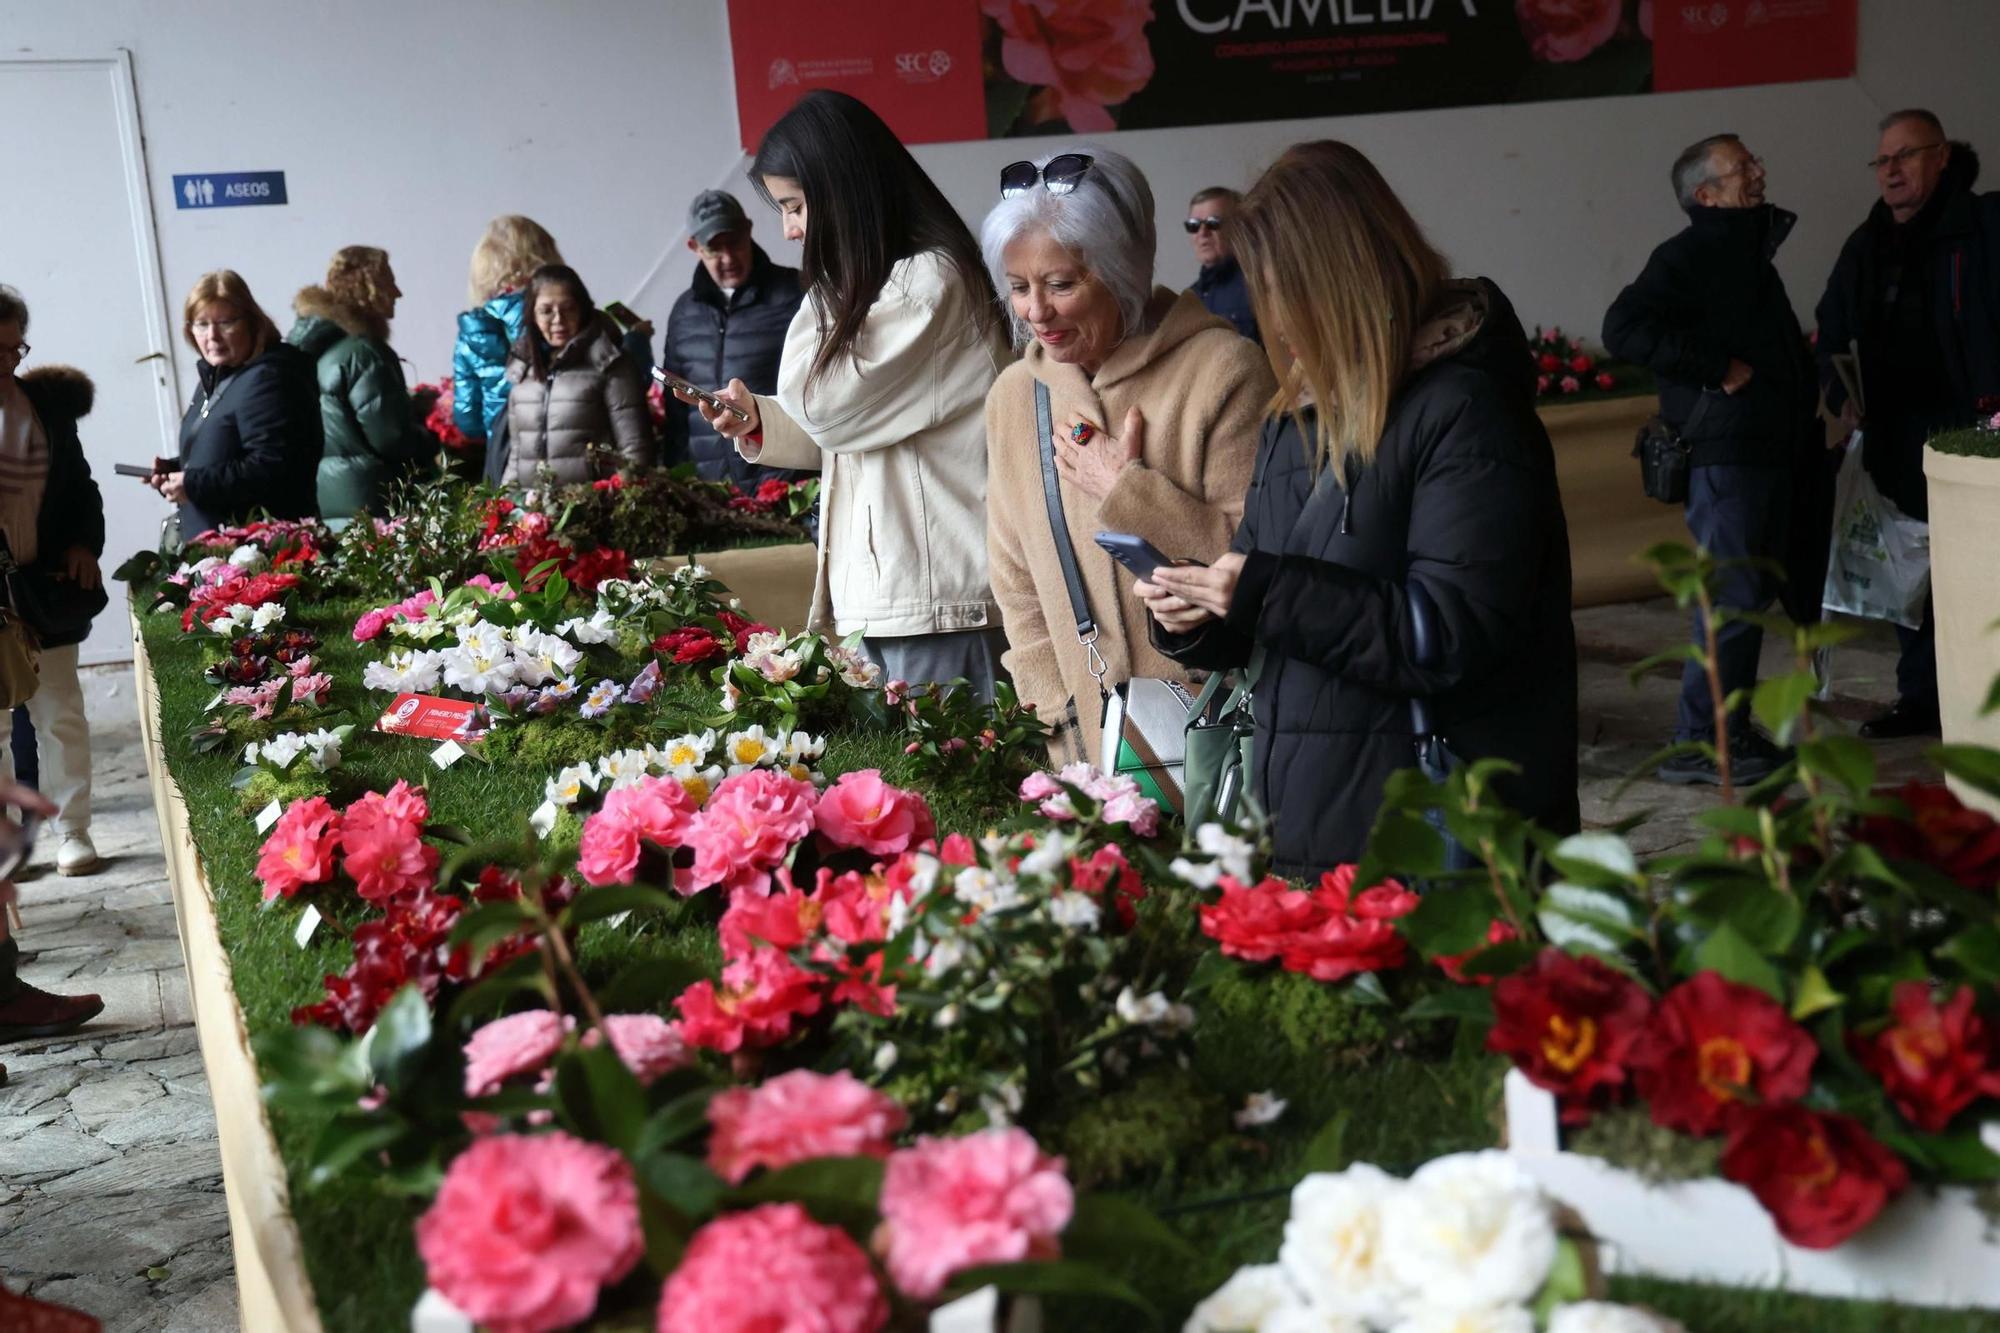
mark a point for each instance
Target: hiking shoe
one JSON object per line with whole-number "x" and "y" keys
{"x": 1752, "y": 758}
{"x": 33, "y": 1012}
{"x": 1907, "y": 718}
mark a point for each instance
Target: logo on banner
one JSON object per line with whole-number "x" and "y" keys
{"x": 1705, "y": 18}
{"x": 923, "y": 66}
{"x": 782, "y": 73}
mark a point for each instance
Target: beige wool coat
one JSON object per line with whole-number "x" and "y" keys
{"x": 1203, "y": 390}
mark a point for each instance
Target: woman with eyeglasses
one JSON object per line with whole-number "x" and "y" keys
{"x": 577, "y": 408}
{"x": 1153, "y": 408}
{"x": 880, "y": 386}
{"x": 1404, "y": 538}
{"x": 250, "y": 442}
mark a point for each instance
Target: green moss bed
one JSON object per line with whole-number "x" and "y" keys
{"x": 1970, "y": 443}
{"x": 1356, "y": 1091}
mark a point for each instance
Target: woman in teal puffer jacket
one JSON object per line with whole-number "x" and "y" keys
{"x": 512, "y": 248}
{"x": 373, "y": 440}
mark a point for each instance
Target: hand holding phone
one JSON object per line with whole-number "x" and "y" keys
{"x": 1136, "y": 553}
{"x": 675, "y": 384}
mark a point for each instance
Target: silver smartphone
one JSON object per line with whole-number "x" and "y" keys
{"x": 675, "y": 384}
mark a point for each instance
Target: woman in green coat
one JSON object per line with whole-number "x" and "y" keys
{"x": 373, "y": 439}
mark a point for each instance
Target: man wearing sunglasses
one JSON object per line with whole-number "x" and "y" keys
{"x": 1916, "y": 293}
{"x": 1220, "y": 284}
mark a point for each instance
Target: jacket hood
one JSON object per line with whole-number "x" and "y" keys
{"x": 1474, "y": 324}
{"x": 319, "y": 303}
{"x": 1175, "y": 317}
{"x": 63, "y": 389}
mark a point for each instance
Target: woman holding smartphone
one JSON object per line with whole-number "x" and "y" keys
{"x": 881, "y": 388}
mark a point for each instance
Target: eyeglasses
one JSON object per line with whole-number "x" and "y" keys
{"x": 18, "y": 350}
{"x": 1060, "y": 176}
{"x": 1194, "y": 225}
{"x": 218, "y": 325}
{"x": 1901, "y": 156}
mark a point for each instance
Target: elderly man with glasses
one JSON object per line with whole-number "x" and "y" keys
{"x": 1915, "y": 297}
{"x": 1710, "y": 316}
{"x": 1220, "y": 283}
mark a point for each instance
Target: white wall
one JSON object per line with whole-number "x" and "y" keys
{"x": 409, "y": 125}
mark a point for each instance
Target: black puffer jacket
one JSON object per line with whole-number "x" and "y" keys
{"x": 1461, "y": 497}
{"x": 712, "y": 339}
{"x": 72, "y": 511}
{"x": 1709, "y": 293}
{"x": 251, "y": 441}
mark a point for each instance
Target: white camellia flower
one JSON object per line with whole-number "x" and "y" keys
{"x": 1050, "y": 854}
{"x": 1260, "y": 1108}
{"x": 684, "y": 755}
{"x": 885, "y": 1057}
{"x": 1333, "y": 1250}
{"x": 1604, "y": 1317}
{"x": 1248, "y": 1301}
{"x": 622, "y": 768}
{"x": 600, "y": 628}
{"x": 943, "y": 956}
{"x": 567, "y": 787}
{"x": 1143, "y": 1011}
{"x": 1471, "y": 1232}
{"x": 423, "y": 631}
{"x": 251, "y": 751}
{"x": 1308, "y": 1319}
{"x": 749, "y": 749}
{"x": 247, "y": 558}
{"x": 1074, "y": 911}
{"x": 731, "y": 696}
{"x": 281, "y": 750}
{"x": 324, "y": 749}
{"x": 549, "y": 656}
{"x": 233, "y": 618}
{"x": 267, "y": 615}
{"x": 980, "y": 888}
{"x": 1498, "y": 1319}
{"x": 701, "y": 784}
{"x": 404, "y": 669}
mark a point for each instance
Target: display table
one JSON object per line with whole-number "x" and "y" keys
{"x": 1610, "y": 519}
{"x": 273, "y": 1292}
{"x": 774, "y": 583}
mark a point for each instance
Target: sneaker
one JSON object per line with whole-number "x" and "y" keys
{"x": 1752, "y": 758}
{"x": 1688, "y": 770}
{"x": 1908, "y": 718}
{"x": 78, "y": 855}
{"x": 33, "y": 1012}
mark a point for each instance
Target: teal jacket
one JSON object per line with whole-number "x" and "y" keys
{"x": 373, "y": 439}
{"x": 479, "y": 382}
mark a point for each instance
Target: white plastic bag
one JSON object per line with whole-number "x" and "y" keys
{"x": 1880, "y": 564}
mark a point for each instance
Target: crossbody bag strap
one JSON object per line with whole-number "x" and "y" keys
{"x": 1079, "y": 602}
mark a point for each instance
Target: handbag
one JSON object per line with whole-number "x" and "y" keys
{"x": 1144, "y": 721}
{"x": 1665, "y": 456}
{"x": 55, "y": 606}
{"x": 19, "y": 673}
{"x": 1435, "y": 758}
{"x": 1216, "y": 749}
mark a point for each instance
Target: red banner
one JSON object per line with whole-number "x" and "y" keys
{"x": 1712, "y": 44}
{"x": 916, "y": 62}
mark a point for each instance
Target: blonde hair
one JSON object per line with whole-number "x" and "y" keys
{"x": 512, "y": 249}
{"x": 1337, "y": 264}
{"x": 358, "y": 276}
{"x": 226, "y": 285}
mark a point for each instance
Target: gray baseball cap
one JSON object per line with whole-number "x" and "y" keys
{"x": 714, "y": 212}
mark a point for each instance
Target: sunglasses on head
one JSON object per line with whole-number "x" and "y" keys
{"x": 1059, "y": 176}
{"x": 1194, "y": 225}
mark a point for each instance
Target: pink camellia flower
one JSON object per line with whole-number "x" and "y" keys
{"x": 648, "y": 1045}
{"x": 301, "y": 666}
{"x": 381, "y": 839}
{"x": 1086, "y": 54}
{"x": 525, "y": 1231}
{"x": 311, "y": 688}
{"x": 798, "y": 1116}
{"x": 784, "y": 919}
{"x": 864, "y": 812}
{"x": 772, "y": 1270}
{"x": 370, "y": 624}
{"x": 509, "y": 1047}
{"x": 1141, "y": 814}
{"x": 1039, "y": 786}
{"x": 1559, "y": 31}
{"x": 261, "y": 700}
{"x": 656, "y": 810}
{"x": 300, "y": 850}
{"x": 748, "y": 828}
{"x": 754, "y": 1005}
{"x": 950, "y": 1204}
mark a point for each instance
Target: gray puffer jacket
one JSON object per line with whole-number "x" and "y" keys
{"x": 590, "y": 395}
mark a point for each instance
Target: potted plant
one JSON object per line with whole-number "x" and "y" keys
{"x": 1963, "y": 468}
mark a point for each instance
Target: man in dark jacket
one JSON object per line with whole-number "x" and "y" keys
{"x": 1915, "y": 297}
{"x": 1710, "y": 317}
{"x": 1220, "y": 283}
{"x": 729, "y": 325}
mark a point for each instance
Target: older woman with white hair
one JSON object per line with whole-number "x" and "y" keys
{"x": 1152, "y": 413}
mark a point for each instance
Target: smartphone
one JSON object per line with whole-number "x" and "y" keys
{"x": 627, "y": 318}
{"x": 675, "y": 384}
{"x": 133, "y": 470}
{"x": 17, "y": 841}
{"x": 1136, "y": 553}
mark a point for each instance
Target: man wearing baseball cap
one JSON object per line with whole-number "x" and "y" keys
{"x": 729, "y": 324}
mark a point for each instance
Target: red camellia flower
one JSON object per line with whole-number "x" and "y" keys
{"x": 1941, "y": 832}
{"x": 1819, "y": 1176}
{"x": 1935, "y": 1061}
{"x": 300, "y": 850}
{"x": 1569, "y": 1024}
{"x": 689, "y": 645}
{"x": 1715, "y": 1047}
{"x": 1582, "y": 364}
{"x": 1356, "y": 932}
{"x": 1257, "y": 922}
{"x": 1606, "y": 380}
{"x": 1453, "y": 965}
{"x": 381, "y": 841}
{"x": 754, "y": 1004}
{"x": 1548, "y": 363}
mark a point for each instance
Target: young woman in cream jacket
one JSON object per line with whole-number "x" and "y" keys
{"x": 882, "y": 387}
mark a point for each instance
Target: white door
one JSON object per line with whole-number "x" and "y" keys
{"x": 77, "y": 239}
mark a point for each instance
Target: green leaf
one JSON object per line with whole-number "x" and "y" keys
{"x": 1768, "y": 918}
{"x": 1213, "y": 967}
{"x": 485, "y": 997}
{"x": 1815, "y": 994}
{"x": 1450, "y": 919}
{"x": 677, "y": 1120}
{"x": 1841, "y": 759}
{"x": 685, "y": 1183}
{"x": 1728, "y": 954}
{"x": 1403, "y": 845}
{"x": 597, "y": 904}
{"x": 1328, "y": 1149}
{"x": 1977, "y": 950}
{"x": 1780, "y": 701}
{"x": 398, "y": 1040}
{"x": 1992, "y": 704}
{"x": 1679, "y": 656}
{"x": 839, "y": 1191}
{"x": 1574, "y": 916}
{"x": 345, "y": 1141}
{"x": 601, "y": 1097}
{"x": 1109, "y": 1228}
{"x": 1470, "y": 1004}
{"x": 1975, "y": 765}
{"x": 1601, "y": 860}
{"x": 1057, "y": 1277}
{"x": 1568, "y": 1281}
{"x": 1962, "y": 1156}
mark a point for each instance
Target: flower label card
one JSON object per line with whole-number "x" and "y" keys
{"x": 447, "y": 754}
{"x": 308, "y": 922}
{"x": 269, "y": 816}
{"x": 433, "y": 718}
{"x": 543, "y": 819}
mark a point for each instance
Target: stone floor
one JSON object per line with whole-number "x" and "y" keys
{"x": 110, "y": 1190}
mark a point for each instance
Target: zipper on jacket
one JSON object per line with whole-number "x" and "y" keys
{"x": 1346, "y": 496}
